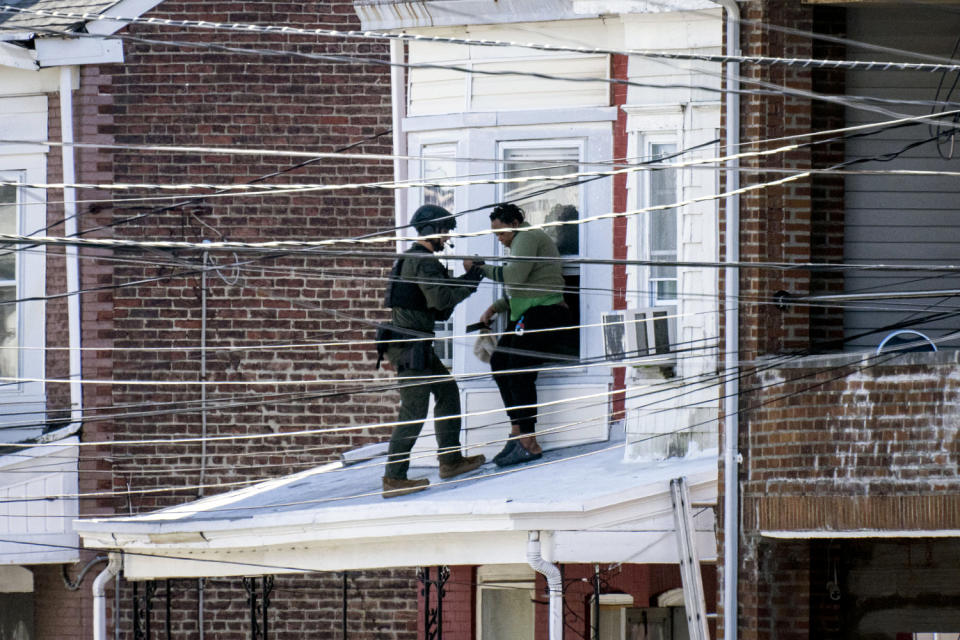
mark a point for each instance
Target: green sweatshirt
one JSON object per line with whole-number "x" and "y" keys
{"x": 530, "y": 283}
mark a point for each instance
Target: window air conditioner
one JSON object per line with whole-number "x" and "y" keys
{"x": 643, "y": 336}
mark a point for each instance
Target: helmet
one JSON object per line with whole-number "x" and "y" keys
{"x": 430, "y": 219}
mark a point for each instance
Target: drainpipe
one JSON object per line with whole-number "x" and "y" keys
{"x": 398, "y": 105}
{"x": 552, "y": 573}
{"x": 72, "y": 257}
{"x": 99, "y": 599}
{"x": 731, "y": 418}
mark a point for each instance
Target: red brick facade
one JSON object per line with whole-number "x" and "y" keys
{"x": 643, "y": 582}
{"x": 830, "y": 444}
{"x": 182, "y": 95}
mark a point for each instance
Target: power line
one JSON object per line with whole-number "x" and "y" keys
{"x": 863, "y": 65}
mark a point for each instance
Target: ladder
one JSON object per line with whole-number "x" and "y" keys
{"x": 693, "y": 600}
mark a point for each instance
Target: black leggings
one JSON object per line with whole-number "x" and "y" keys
{"x": 518, "y": 389}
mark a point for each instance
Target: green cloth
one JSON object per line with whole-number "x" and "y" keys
{"x": 530, "y": 283}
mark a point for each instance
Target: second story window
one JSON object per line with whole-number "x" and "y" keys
{"x": 438, "y": 164}
{"x": 661, "y": 228}
{"x": 9, "y": 324}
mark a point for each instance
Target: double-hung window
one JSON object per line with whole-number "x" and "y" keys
{"x": 660, "y": 237}
{"x": 546, "y": 201}
{"x": 437, "y": 165}
{"x": 21, "y": 312}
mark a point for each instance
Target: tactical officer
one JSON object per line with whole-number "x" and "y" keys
{"x": 420, "y": 293}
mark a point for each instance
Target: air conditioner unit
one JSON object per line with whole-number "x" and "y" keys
{"x": 643, "y": 336}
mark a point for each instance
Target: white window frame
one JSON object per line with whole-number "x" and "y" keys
{"x": 504, "y": 577}
{"x": 596, "y": 239}
{"x": 27, "y": 396}
{"x": 648, "y": 285}
{"x": 435, "y": 150}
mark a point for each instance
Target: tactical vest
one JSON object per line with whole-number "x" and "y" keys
{"x": 403, "y": 293}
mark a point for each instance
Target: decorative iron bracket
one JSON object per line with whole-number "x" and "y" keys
{"x": 258, "y": 610}
{"x": 433, "y": 617}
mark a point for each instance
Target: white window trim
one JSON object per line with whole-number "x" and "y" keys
{"x": 31, "y": 321}
{"x": 647, "y": 287}
{"x": 499, "y": 577}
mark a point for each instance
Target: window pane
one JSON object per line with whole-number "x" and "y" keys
{"x": 8, "y": 224}
{"x": 506, "y": 613}
{"x": 8, "y": 333}
{"x": 662, "y": 227}
{"x": 436, "y": 168}
{"x": 556, "y": 204}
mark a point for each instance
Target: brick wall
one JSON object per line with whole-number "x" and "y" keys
{"x": 182, "y": 95}
{"x": 869, "y": 443}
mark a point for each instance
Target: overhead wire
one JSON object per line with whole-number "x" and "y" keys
{"x": 935, "y": 67}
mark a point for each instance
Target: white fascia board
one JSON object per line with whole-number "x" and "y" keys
{"x": 862, "y": 533}
{"x": 17, "y": 57}
{"x": 447, "y": 13}
{"x": 626, "y": 7}
{"x": 56, "y": 52}
{"x": 635, "y": 547}
{"x": 124, "y": 9}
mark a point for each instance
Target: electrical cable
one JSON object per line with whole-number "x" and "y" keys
{"x": 806, "y": 63}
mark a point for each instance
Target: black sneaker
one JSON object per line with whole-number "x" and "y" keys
{"x": 517, "y": 455}
{"x": 507, "y": 448}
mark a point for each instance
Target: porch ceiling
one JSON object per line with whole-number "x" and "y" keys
{"x": 594, "y": 506}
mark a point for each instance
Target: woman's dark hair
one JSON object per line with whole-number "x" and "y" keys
{"x": 507, "y": 213}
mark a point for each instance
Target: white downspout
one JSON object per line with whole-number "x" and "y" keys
{"x": 398, "y": 104}
{"x": 99, "y": 598}
{"x": 731, "y": 417}
{"x": 72, "y": 256}
{"x": 554, "y": 584}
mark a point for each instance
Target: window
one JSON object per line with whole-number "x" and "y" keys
{"x": 505, "y": 607}
{"x": 661, "y": 228}
{"x": 434, "y": 167}
{"x": 21, "y": 323}
{"x": 549, "y": 201}
{"x": 9, "y": 329}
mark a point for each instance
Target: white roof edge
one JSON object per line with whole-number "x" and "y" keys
{"x": 416, "y": 518}
{"x": 450, "y": 13}
{"x": 861, "y": 533}
{"x": 17, "y": 57}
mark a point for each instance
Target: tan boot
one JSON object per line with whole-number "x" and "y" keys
{"x": 466, "y": 463}
{"x": 393, "y": 487}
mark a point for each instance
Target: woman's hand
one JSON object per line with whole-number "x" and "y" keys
{"x": 487, "y": 316}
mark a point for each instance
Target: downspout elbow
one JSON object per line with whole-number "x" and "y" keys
{"x": 99, "y": 596}
{"x": 551, "y": 572}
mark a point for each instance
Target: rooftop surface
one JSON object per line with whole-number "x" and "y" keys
{"x": 28, "y": 21}
{"x": 571, "y": 479}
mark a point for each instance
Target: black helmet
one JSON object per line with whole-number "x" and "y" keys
{"x": 430, "y": 219}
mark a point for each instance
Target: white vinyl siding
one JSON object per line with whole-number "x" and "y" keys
{"x": 899, "y": 219}
{"x": 439, "y": 91}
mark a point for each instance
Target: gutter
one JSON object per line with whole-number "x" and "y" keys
{"x": 551, "y": 572}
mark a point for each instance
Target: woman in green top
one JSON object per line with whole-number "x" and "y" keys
{"x": 535, "y": 301}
